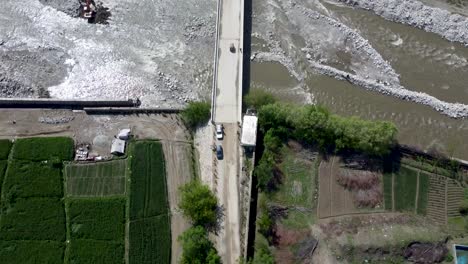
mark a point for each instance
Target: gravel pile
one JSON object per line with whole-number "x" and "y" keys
{"x": 453, "y": 27}
{"x": 55, "y": 120}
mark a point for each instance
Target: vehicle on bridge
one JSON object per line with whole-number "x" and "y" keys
{"x": 219, "y": 131}
{"x": 219, "y": 152}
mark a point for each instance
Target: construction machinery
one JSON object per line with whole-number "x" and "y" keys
{"x": 88, "y": 9}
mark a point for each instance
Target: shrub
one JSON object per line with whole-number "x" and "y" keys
{"x": 197, "y": 248}
{"x": 196, "y": 113}
{"x": 198, "y": 203}
{"x": 98, "y": 218}
{"x": 43, "y": 148}
{"x": 464, "y": 207}
{"x": 263, "y": 256}
{"x": 258, "y": 98}
{"x": 5, "y": 146}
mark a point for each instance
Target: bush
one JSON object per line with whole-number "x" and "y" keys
{"x": 263, "y": 256}
{"x": 197, "y": 248}
{"x": 33, "y": 219}
{"x": 43, "y": 148}
{"x": 258, "y": 98}
{"x": 196, "y": 113}
{"x": 265, "y": 224}
{"x": 33, "y": 179}
{"x": 31, "y": 252}
{"x": 89, "y": 251}
{"x": 464, "y": 208}
{"x": 198, "y": 203}
{"x": 5, "y": 146}
{"x": 97, "y": 218}
{"x": 150, "y": 240}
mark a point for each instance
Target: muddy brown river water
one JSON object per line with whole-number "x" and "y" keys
{"x": 425, "y": 62}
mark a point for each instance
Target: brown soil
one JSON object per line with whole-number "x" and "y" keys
{"x": 426, "y": 253}
{"x": 287, "y": 238}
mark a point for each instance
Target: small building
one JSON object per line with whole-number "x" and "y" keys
{"x": 118, "y": 147}
{"x": 249, "y": 131}
{"x": 124, "y": 134}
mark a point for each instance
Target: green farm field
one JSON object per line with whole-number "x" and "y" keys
{"x": 43, "y": 148}
{"x": 23, "y": 252}
{"x": 148, "y": 192}
{"x": 150, "y": 240}
{"x": 410, "y": 189}
{"x": 96, "y": 179}
{"x": 92, "y": 251}
{"x": 5, "y": 146}
{"x": 150, "y": 236}
{"x": 98, "y": 219}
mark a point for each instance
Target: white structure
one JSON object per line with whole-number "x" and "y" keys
{"x": 249, "y": 131}
{"x": 124, "y": 134}
{"x": 118, "y": 147}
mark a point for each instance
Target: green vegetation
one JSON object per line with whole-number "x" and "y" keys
{"x": 33, "y": 219}
{"x": 316, "y": 125}
{"x": 96, "y": 179}
{"x": 257, "y": 98}
{"x": 31, "y": 252}
{"x": 405, "y": 190}
{"x": 5, "y": 146}
{"x": 45, "y": 148}
{"x": 3, "y": 167}
{"x": 150, "y": 235}
{"x": 148, "y": 193}
{"x": 198, "y": 203}
{"x": 197, "y": 248}
{"x": 99, "y": 219}
{"x": 32, "y": 179}
{"x": 196, "y": 113}
{"x": 150, "y": 240}
{"x": 90, "y": 251}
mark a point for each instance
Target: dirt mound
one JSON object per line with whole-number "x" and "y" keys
{"x": 423, "y": 253}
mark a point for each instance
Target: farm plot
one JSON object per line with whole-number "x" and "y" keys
{"x": 150, "y": 240}
{"x": 5, "y": 146}
{"x": 150, "y": 235}
{"x": 92, "y": 251}
{"x": 31, "y": 252}
{"x": 32, "y": 179}
{"x": 98, "y": 219}
{"x": 406, "y": 190}
{"x": 43, "y": 148}
{"x": 148, "y": 191}
{"x": 33, "y": 219}
{"x": 96, "y": 179}
{"x": 340, "y": 195}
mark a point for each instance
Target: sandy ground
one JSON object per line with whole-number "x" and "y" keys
{"x": 99, "y": 130}
{"x": 203, "y": 138}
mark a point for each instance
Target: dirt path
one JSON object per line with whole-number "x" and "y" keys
{"x": 416, "y": 197}
{"x": 178, "y": 172}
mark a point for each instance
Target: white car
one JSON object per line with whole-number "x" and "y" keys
{"x": 219, "y": 131}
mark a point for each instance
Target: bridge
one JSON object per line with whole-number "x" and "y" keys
{"x": 226, "y": 110}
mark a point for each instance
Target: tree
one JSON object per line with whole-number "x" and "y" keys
{"x": 196, "y": 113}
{"x": 198, "y": 203}
{"x": 258, "y": 98}
{"x": 263, "y": 256}
{"x": 197, "y": 248}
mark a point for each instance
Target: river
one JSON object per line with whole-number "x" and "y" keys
{"x": 292, "y": 38}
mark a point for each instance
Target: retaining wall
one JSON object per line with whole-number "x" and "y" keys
{"x": 57, "y": 103}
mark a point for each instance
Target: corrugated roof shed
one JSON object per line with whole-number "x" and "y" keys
{"x": 249, "y": 131}
{"x": 118, "y": 146}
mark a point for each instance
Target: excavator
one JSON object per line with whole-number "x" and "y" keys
{"x": 88, "y": 9}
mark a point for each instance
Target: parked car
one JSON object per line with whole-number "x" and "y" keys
{"x": 219, "y": 131}
{"x": 219, "y": 152}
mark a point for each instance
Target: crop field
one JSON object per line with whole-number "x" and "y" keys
{"x": 32, "y": 179}
{"x": 33, "y": 219}
{"x": 150, "y": 240}
{"x": 150, "y": 235}
{"x": 96, "y": 179}
{"x": 408, "y": 188}
{"x": 148, "y": 191}
{"x": 99, "y": 219}
{"x": 43, "y": 148}
{"x": 5, "y": 146}
{"x": 15, "y": 252}
{"x": 91, "y": 251}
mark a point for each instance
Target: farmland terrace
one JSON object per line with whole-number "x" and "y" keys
{"x": 109, "y": 190}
